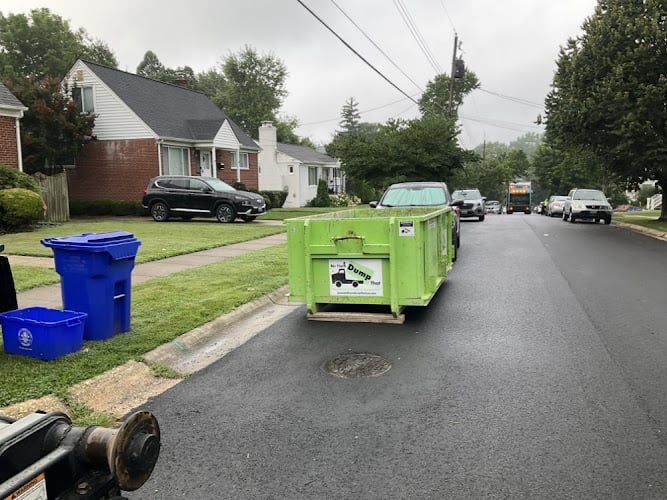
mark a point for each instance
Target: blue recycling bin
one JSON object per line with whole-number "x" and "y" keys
{"x": 95, "y": 278}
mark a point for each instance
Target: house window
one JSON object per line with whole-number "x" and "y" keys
{"x": 83, "y": 97}
{"x": 312, "y": 176}
{"x": 291, "y": 169}
{"x": 243, "y": 159}
{"x": 176, "y": 161}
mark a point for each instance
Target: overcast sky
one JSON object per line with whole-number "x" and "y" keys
{"x": 511, "y": 45}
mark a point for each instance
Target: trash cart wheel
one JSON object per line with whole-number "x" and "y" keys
{"x": 225, "y": 213}
{"x": 159, "y": 211}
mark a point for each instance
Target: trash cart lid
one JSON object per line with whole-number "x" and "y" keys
{"x": 120, "y": 244}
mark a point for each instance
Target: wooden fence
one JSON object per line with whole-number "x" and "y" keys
{"x": 55, "y": 195}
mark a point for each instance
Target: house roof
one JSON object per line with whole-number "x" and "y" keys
{"x": 304, "y": 154}
{"x": 9, "y": 100}
{"x": 171, "y": 111}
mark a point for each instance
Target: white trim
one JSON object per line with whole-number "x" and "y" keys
{"x": 159, "y": 158}
{"x": 18, "y": 144}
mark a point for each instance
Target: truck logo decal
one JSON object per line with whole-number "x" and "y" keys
{"x": 361, "y": 277}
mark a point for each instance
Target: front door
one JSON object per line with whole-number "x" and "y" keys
{"x": 205, "y": 166}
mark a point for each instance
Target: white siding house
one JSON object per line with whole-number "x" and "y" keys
{"x": 295, "y": 169}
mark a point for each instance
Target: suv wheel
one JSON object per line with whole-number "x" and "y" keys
{"x": 225, "y": 213}
{"x": 481, "y": 218}
{"x": 607, "y": 220}
{"x": 159, "y": 211}
{"x": 572, "y": 217}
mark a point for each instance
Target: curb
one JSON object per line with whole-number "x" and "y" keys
{"x": 190, "y": 352}
{"x": 641, "y": 229}
{"x": 196, "y": 349}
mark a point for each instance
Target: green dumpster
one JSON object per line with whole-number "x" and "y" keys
{"x": 394, "y": 257}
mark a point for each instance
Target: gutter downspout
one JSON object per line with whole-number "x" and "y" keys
{"x": 18, "y": 142}
{"x": 159, "y": 156}
{"x": 238, "y": 165}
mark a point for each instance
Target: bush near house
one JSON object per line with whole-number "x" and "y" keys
{"x": 273, "y": 199}
{"x": 21, "y": 204}
{"x": 20, "y": 209}
{"x": 12, "y": 178}
{"x": 322, "y": 198}
{"x": 79, "y": 208}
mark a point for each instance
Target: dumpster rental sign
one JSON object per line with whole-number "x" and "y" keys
{"x": 352, "y": 277}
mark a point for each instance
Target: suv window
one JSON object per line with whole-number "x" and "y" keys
{"x": 197, "y": 185}
{"x": 172, "y": 183}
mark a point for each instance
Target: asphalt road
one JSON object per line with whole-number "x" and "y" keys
{"x": 537, "y": 371}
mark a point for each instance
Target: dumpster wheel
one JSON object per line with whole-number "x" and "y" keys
{"x": 356, "y": 365}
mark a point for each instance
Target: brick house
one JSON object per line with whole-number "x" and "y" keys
{"x": 11, "y": 112}
{"x": 146, "y": 128}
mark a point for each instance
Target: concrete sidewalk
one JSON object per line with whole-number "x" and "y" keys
{"x": 50, "y": 296}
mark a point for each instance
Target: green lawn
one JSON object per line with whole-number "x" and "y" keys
{"x": 161, "y": 310}
{"x": 645, "y": 218}
{"x": 158, "y": 240}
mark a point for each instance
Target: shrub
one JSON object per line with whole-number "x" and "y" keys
{"x": 322, "y": 198}
{"x": 344, "y": 200}
{"x": 274, "y": 199}
{"x": 78, "y": 208}
{"x": 20, "y": 209}
{"x": 12, "y": 178}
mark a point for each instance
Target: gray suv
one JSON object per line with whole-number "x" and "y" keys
{"x": 587, "y": 204}
{"x": 187, "y": 197}
{"x": 473, "y": 203}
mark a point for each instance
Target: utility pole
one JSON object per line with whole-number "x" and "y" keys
{"x": 451, "y": 76}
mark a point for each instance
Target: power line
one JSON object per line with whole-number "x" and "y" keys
{"x": 442, "y": 2}
{"x": 416, "y": 34}
{"x": 361, "y": 112}
{"x": 376, "y": 46}
{"x": 514, "y": 99}
{"x": 500, "y": 124}
{"x": 357, "y": 53}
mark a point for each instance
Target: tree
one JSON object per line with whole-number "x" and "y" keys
{"x": 285, "y": 132}
{"x": 436, "y": 97}
{"x": 150, "y": 66}
{"x": 350, "y": 116}
{"x": 254, "y": 89}
{"x": 99, "y": 52}
{"x": 492, "y": 175}
{"x": 421, "y": 149}
{"x": 213, "y": 84}
{"x": 42, "y": 45}
{"x": 608, "y": 94}
{"x": 53, "y": 130}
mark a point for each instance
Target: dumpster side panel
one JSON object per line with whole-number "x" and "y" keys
{"x": 297, "y": 257}
{"x": 394, "y": 257}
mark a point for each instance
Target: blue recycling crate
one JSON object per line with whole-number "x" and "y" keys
{"x": 41, "y": 332}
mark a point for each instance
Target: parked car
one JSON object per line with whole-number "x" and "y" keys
{"x": 422, "y": 194}
{"x": 493, "y": 207}
{"x": 587, "y": 204}
{"x": 187, "y": 197}
{"x": 473, "y": 203}
{"x": 555, "y": 206}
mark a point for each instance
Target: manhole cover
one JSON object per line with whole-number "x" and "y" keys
{"x": 354, "y": 365}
